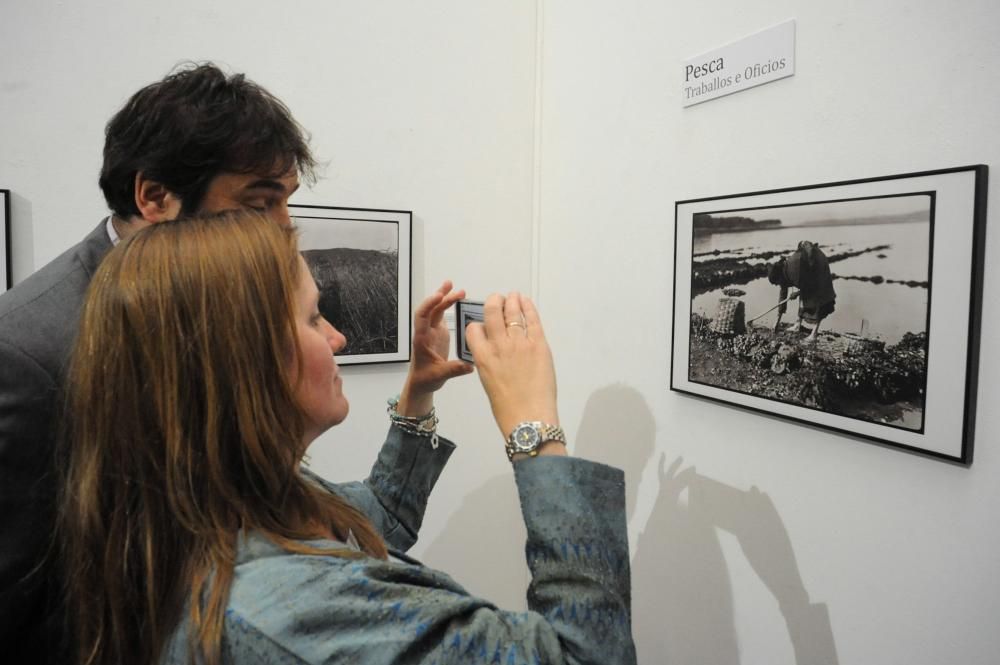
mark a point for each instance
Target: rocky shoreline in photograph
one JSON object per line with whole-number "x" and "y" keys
{"x": 710, "y": 274}
{"x": 842, "y": 374}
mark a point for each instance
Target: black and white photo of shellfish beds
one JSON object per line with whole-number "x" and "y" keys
{"x": 869, "y": 359}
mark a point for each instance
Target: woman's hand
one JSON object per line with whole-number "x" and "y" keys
{"x": 515, "y": 364}
{"x": 429, "y": 366}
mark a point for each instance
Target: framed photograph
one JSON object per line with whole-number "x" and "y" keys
{"x": 361, "y": 262}
{"x": 853, "y": 306}
{"x": 6, "y": 276}
{"x": 466, "y": 311}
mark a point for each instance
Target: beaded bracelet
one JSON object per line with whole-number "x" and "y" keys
{"x": 417, "y": 425}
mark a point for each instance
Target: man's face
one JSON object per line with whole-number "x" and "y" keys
{"x": 267, "y": 194}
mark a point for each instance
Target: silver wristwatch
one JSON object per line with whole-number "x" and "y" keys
{"x": 529, "y": 435}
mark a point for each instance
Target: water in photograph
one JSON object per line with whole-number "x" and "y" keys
{"x": 890, "y": 309}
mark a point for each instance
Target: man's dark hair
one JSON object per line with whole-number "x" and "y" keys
{"x": 193, "y": 125}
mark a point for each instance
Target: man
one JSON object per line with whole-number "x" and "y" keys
{"x": 807, "y": 269}
{"x": 195, "y": 141}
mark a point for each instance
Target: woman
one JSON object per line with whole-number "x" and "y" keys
{"x": 807, "y": 269}
{"x": 202, "y": 372}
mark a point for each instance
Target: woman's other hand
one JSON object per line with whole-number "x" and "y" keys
{"x": 429, "y": 365}
{"x": 515, "y": 363}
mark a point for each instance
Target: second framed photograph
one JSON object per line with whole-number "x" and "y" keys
{"x": 361, "y": 261}
{"x": 853, "y": 306}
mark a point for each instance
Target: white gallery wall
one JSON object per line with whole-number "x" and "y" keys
{"x": 759, "y": 541}
{"x": 541, "y": 146}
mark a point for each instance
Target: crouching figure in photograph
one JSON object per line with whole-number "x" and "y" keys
{"x": 191, "y": 532}
{"x": 808, "y": 270}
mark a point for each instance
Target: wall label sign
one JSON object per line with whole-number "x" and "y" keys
{"x": 762, "y": 57}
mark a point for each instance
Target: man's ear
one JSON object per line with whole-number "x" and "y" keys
{"x": 155, "y": 202}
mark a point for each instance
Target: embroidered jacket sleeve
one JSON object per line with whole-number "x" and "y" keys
{"x": 315, "y": 609}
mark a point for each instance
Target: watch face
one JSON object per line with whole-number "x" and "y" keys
{"x": 526, "y": 438}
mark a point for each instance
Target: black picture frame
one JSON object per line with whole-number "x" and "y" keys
{"x": 361, "y": 259}
{"x": 889, "y": 277}
{"x": 5, "y": 257}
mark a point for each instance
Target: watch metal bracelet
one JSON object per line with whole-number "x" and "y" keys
{"x": 528, "y": 437}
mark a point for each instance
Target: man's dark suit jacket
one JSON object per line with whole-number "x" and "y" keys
{"x": 38, "y": 323}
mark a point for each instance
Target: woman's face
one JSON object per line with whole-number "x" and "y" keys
{"x": 319, "y": 390}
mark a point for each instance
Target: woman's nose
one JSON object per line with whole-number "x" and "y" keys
{"x": 337, "y": 340}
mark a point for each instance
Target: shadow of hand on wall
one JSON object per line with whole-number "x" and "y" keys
{"x": 682, "y": 598}
{"x": 682, "y": 603}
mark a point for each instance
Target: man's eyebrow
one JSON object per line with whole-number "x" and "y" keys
{"x": 268, "y": 183}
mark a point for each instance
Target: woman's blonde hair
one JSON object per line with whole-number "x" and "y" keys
{"x": 182, "y": 429}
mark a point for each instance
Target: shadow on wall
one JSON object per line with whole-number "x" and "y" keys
{"x": 682, "y": 596}
{"x": 616, "y": 428}
{"x": 482, "y": 545}
{"x": 682, "y": 602}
